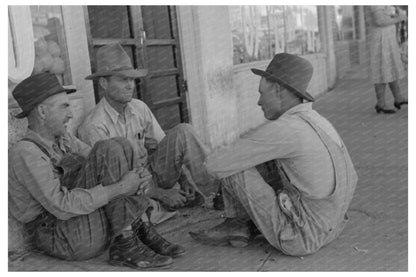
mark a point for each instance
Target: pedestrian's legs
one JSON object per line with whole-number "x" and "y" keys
{"x": 395, "y": 89}
{"x": 380, "y": 94}
{"x": 180, "y": 147}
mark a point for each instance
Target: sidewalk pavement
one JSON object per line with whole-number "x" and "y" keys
{"x": 376, "y": 238}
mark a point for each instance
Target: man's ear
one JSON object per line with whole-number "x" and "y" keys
{"x": 41, "y": 109}
{"x": 103, "y": 83}
{"x": 278, "y": 89}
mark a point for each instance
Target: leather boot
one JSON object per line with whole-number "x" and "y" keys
{"x": 148, "y": 235}
{"x": 232, "y": 231}
{"x": 133, "y": 253}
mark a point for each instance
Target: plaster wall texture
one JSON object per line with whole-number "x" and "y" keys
{"x": 217, "y": 74}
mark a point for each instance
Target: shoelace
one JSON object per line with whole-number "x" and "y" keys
{"x": 152, "y": 236}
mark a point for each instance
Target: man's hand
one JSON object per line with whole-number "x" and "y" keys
{"x": 189, "y": 190}
{"x": 132, "y": 180}
{"x": 187, "y": 183}
{"x": 173, "y": 198}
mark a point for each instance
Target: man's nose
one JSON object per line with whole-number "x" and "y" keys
{"x": 130, "y": 83}
{"x": 70, "y": 114}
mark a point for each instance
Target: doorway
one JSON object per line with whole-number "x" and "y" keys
{"x": 149, "y": 35}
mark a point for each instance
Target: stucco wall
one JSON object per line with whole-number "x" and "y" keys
{"x": 207, "y": 57}
{"x": 222, "y": 96}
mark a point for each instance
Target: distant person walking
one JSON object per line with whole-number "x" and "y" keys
{"x": 385, "y": 60}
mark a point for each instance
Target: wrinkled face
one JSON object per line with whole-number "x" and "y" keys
{"x": 270, "y": 100}
{"x": 57, "y": 113}
{"x": 119, "y": 89}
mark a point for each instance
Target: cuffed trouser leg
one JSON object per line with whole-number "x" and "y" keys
{"x": 246, "y": 194}
{"x": 180, "y": 147}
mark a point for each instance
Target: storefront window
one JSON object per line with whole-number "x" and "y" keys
{"x": 344, "y": 18}
{"x": 51, "y": 54}
{"x": 260, "y": 32}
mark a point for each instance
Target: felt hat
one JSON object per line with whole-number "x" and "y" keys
{"x": 35, "y": 89}
{"x": 113, "y": 60}
{"x": 290, "y": 71}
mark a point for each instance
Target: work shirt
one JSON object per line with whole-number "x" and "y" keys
{"x": 290, "y": 140}
{"x": 140, "y": 126}
{"x": 34, "y": 184}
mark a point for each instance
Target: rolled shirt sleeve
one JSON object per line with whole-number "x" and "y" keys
{"x": 35, "y": 172}
{"x": 153, "y": 132}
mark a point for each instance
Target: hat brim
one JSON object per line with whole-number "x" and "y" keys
{"x": 302, "y": 94}
{"x": 130, "y": 73}
{"x": 25, "y": 113}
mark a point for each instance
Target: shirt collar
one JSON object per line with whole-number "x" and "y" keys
{"x": 113, "y": 113}
{"x": 304, "y": 107}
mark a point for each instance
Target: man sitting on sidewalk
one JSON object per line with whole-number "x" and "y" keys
{"x": 177, "y": 156}
{"x": 76, "y": 200}
{"x": 303, "y": 207}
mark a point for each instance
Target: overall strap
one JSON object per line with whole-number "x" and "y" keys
{"x": 43, "y": 149}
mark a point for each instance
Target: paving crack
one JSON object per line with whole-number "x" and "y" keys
{"x": 264, "y": 262}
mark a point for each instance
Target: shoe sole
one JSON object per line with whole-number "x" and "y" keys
{"x": 135, "y": 266}
{"x": 235, "y": 241}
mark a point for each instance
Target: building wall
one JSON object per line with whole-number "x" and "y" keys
{"x": 222, "y": 96}
{"x": 207, "y": 56}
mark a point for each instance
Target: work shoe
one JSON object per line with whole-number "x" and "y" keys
{"x": 232, "y": 231}
{"x": 133, "y": 253}
{"x": 148, "y": 235}
{"x": 195, "y": 200}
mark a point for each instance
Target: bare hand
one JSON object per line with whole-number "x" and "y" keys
{"x": 131, "y": 182}
{"x": 174, "y": 198}
{"x": 189, "y": 190}
{"x": 187, "y": 183}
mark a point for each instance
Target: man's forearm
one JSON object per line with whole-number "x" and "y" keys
{"x": 114, "y": 190}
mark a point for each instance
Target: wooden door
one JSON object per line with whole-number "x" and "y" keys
{"x": 149, "y": 34}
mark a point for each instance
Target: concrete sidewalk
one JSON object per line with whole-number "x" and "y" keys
{"x": 376, "y": 238}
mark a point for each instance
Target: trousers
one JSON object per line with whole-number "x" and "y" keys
{"x": 86, "y": 236}
{"x": 180, "y": 147}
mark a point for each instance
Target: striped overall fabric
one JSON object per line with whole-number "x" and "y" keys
{"x": 289, "y": 219}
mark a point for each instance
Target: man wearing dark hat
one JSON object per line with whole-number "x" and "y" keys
{"x": 301, "y": 204}
{"x": 73, "y": 199}
{"x": 175, "y": 156}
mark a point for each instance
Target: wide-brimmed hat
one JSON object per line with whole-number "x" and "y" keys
{"x": 36, "y": 89}
{"x": 290, "y": 71}
{"x": 113, "y": 60}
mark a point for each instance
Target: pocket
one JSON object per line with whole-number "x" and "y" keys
{"x": 289, "y": 203}
{"x": 291, "y": 241}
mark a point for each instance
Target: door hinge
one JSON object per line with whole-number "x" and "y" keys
{"x": 185, "y": 85}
